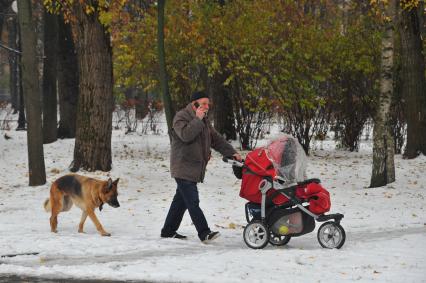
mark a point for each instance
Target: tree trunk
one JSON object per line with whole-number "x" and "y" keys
{"x": 413, "y": 82}
{"x": 50, "y": 112}
{"x": 141, "y": 107}
{"x": 92, "y": 149}
{"x": 168, "y": 108}
{"x": 224, "y": 121}
{"x": 222, "y": 110}
{"x": 67, "y": 80}
{"x": 422, "y": 18}
{"x": 30, "y": 80}
{"x": 383, "y": 148}
{"x": 21, "y": 105}
{"x": 3, "y": 8}
{"x": 13, "y": 62}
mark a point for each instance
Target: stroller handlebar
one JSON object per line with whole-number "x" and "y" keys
{"x": 232, "y": 161}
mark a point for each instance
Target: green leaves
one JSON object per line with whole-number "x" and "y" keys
{"x": 273, "y": 50}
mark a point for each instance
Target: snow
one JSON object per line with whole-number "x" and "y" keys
{"x": 385, "y": 227}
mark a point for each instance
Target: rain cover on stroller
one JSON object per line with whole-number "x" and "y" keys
{"x": 285, "y": 157}
{"x": 288, "y": 158}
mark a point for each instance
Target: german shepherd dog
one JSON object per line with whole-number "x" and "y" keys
{"x": 86, "y": 193}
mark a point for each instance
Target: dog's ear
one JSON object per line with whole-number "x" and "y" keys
{"x": 116, "y": 181}
{"x": 109, "y": 184}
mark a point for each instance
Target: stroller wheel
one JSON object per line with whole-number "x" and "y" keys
{"x": 256, "y": 235}
{"x": 278, "y": 240}
{"x": 331, "y": 235}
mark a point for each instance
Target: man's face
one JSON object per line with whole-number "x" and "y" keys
{"x": 203, "y": 104}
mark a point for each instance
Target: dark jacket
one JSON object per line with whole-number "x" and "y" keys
{"x": 192, "y": 139}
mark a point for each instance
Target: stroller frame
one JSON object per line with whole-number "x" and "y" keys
{"x": 288, "y": 191}
{"x": 327, "y": 231}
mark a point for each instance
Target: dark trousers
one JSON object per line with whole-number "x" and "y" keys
{"x": 186, "y": 197}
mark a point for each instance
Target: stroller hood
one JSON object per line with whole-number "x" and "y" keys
{"x": 283, "y": 156}
{"x": 288, "y": 158}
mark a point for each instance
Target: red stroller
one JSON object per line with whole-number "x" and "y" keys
{"x": 282, "y": 202}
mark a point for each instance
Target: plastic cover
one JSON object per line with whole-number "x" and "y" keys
{"x": 288, "y": 157}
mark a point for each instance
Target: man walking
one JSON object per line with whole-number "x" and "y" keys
{"x": 192, "y": 138}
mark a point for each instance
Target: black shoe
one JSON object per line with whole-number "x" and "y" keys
{"x": 175, "y": 235}
{"x": 210, "y": 237}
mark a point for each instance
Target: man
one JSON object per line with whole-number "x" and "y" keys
{"x": 192, "y": 138}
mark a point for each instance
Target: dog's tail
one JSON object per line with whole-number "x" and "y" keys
{"x": 47, "y": 205}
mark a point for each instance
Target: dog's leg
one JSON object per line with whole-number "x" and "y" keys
{"x": 83, "y": 219}
{"x": 54, "y": 218}
{"x": 56, "y": 203}
{"x": 98, "y": 225}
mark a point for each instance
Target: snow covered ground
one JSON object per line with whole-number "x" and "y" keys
{"x": 385, "y": 227}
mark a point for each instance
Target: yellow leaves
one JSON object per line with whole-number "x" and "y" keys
{"x": 377, "y": 2}
{"x": 89, "y": 9}
{"x": 404, "y": 4}
{"x": 409, "y": 4}
{"x": 104, "y": 17}
{"x": 232, "y": 225}
{"x": 229, "y": 80}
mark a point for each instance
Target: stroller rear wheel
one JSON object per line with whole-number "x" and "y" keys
{"x": 278, "y": 240}
{"x": 331, "y": 235}
{"x": 256, "y": 235}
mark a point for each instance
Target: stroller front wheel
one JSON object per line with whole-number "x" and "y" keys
{"x": 256, "y": 235}
{"x": 331, "y": 235}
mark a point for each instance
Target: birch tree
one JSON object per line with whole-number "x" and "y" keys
{"x": 383, "y": 147}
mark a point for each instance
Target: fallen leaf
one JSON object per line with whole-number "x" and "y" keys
{"x": 232, "y": 225}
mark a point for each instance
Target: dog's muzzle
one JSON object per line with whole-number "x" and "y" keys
{"x": 114, "y": 203}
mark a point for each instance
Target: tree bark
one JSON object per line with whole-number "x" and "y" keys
{"x": 92, "y": 149}
{"x": 67, "y": 80}
{"x": 413, "y": 81}
{"x": 168, "y": 108}
{"x": 21, "y": 105}
{"x": 50, "y": 112}
{"x": 383, "y": 148}
{"x": 224, "y": 120}
{"x": 3, "y": 8}
{"x": 30, "y": 80}
{"x": 221, "y": 96}
{"x": 142, "y": 103}
{"x": 11, "y": 24}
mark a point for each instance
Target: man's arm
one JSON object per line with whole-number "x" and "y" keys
{"x": 187, "y": 131}
{"x": 221, "y": 145}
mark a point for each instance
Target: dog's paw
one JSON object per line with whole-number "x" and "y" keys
{"x": 106, "y": 234}
{"x": 54, "y": 231}
{"x": 81, "y": 231}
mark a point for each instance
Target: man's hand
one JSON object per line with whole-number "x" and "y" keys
{"x": 237, "y": 157}
{"x": 200, "y": 112}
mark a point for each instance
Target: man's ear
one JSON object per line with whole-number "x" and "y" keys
{"x": 116, "y": 181}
